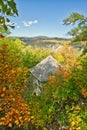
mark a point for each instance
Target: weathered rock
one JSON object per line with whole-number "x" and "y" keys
{"x": 46, "y": 67}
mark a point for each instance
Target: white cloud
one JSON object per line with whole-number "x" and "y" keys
{"x": 29, "y": 23}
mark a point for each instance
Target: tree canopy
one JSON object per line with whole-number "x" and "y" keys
{"x": 79, "y": 32}
{"x": 7, "y": 8}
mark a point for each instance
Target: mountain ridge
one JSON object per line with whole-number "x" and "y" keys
{"x": 41, "y": 37}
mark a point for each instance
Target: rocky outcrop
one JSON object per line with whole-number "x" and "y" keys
{"x": 45, "y": 68}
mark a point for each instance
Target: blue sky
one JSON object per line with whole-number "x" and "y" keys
{"x": 44, "y": 17}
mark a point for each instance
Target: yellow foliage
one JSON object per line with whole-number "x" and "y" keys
{"x": 68, "y": 56}
{"x": 12, "y": 83}
{"x": 10, "y": 124}
{"x": 74, "y": 118}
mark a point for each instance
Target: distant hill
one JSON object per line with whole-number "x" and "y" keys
{"x": 32, "y": 39}
{"x": 42, "y": 41}
{"x": 49, "y": 42}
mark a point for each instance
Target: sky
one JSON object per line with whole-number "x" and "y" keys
{"x": 45, "y": 17}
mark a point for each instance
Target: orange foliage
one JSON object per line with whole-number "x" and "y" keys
{"x": 84, "y": 92}
{"x": 69, "y": 60}
{"x": 13, "y": 109}
{"x": 69, "y": 55}
{"x": 12, "y": 74}
{"x": 51, "y": 79}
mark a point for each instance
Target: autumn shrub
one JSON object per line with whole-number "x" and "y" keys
{"x": 66, "y": 55}
{"x": 34, "y": 55}
{"x": 62, "y": 103}
{"x": 69, "y": 95}
{"x": 14, "y": 111}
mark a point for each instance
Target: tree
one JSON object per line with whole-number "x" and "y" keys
{"x": 79, "y": 33}
{"x": 7, "y": 8}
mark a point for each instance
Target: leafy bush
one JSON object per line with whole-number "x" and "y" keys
{"x": 63, "y": 101}
{"x": 34, "y": 55}
{"x": 13, "y": 109}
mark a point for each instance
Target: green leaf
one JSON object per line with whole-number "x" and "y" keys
{"x": 12, "y": 26}
{"x": 4, "y": 8}
{"x": 7, "y": 20}
{"x": 5, "y": 27}
{"x": 2, "y": 20}
{"x": 11, "y": 4}
{"x": 8, "y": 11}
